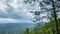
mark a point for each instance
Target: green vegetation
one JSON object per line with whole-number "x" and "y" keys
{"x": 49, "y": 6}
{"x": 27, "y": 31}
{"x": 48, "y": 28}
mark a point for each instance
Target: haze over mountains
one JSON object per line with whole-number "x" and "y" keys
{"x": 15, "y": 27}
{"x": 18, "y": 26}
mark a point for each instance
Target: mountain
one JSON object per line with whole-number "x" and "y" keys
{"x": 18, "y": 28}
{"x": 14, "y": 27}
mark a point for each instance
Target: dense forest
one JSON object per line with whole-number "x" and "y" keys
{"x": 48, "y": 28}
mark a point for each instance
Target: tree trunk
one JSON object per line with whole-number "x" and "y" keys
{"x": 55, "y": 19}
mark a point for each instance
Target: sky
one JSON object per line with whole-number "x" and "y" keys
{"x": 16, "y": 11}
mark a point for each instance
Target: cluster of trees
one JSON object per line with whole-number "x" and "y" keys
{"x": 48, "y": 28}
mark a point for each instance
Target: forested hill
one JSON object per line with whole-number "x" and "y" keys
{"x": 48, "y": 28}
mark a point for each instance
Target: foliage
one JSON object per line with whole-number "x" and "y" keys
{"x": 49, "y": 6}
{"x": 48, "y": 28}
{"x": 27, "y": 31}
{"x": 45, "y": 6}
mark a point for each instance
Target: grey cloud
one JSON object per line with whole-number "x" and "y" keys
{"x": 3, "y": 15}
{"x": 17, "y": 13}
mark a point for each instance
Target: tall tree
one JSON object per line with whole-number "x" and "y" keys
{"x": 55, "y": 18}
{"x": 49, "y": 6}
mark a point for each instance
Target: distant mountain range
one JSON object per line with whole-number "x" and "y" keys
{"x": 17, "y": 27}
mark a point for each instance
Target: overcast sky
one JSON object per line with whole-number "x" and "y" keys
{"x": 15, "y": 11}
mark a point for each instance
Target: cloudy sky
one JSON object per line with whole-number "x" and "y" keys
{"x": 16, "y": 11}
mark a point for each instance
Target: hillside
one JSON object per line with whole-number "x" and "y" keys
{"x": 48, "y": 28}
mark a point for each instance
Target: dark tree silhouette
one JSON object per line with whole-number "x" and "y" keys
{"x": 55, "y": 5}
